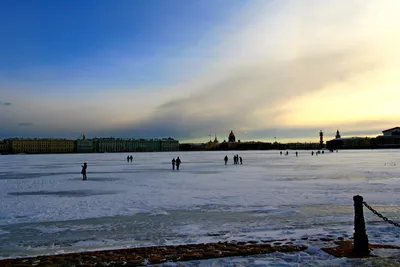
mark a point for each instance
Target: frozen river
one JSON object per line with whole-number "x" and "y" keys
{"x": 47, "y": 208}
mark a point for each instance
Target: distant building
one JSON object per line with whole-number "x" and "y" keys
{"x": 192, "y": 147}
{"x": 41, "y": 146}
{"x": 84, "y": 145}
{"x": 392, "y": 132}
{"x": 213, "y": 145}
{"x": 134, "y": 145}
{"x": 349, "y": 142}
{"x": 5, "y": 147}
{"x": 169, "y": 144}
{"x": 300, "y": 145}
{"x": 390, "y": 138}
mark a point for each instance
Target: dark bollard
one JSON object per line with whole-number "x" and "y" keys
{"x": 360, "y": 235}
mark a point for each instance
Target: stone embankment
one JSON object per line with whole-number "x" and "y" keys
{"x": 142, "y": 256}
{"x": 157, "y": 254}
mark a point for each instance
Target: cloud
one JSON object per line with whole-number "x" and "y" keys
{"x": 5, "y": 103}
{"x": 324, "y": 48}
{"x": 249, "y": 98}
{"x": 25, "y": 124}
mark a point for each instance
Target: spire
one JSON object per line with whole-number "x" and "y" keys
{"x": 215, "y": 139}
{"x": 337, "y": 134}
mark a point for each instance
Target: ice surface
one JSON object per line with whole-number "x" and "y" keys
{"x": 47, "y": 208}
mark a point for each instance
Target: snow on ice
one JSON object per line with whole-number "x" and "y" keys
{"x": 47, "y": 208}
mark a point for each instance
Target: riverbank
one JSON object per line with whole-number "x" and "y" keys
{"x": 156, "y": 254}
{"x": 142, "y": 256}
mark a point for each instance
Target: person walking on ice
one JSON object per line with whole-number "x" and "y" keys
{"x": 226, "y": 159}
{"x": 83, "y": 172}
{"x": 173, "y": 164}
{"x": 241, "y": 160}
{"x": 178, "y": 162}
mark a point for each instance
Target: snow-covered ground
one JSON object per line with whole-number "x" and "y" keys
{"x": 45, "y": 207}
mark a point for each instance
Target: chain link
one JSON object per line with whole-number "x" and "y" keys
{"x": 380, "y": 215}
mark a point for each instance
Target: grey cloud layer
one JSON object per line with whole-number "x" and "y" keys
{"x": 232, "y": 101}
{"x": 5, "y": 103}
{"x": 25, "y": 124}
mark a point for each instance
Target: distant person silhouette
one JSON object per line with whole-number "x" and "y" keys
{"x": 127, "y": 159}
{"x": 83, "y": 172}
{"x": 173, "y": 164}
{"x": 241, "y": 160}
{"x": 131, "y": 158}
{"x": 281, "y": 153}
{"x": 178, "y": 163}
{"x": 226, "y": 159}
{"x": 312, "y": 153}
{"x": 297, "y": 153}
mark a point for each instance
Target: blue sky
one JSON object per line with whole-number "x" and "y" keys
{"x": 186, "y": 69}
{"x": 70, "y": 35}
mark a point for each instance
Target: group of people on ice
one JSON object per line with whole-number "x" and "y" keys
{"x": 287, "y": 153}
{"x": 318, "y": 152}
{"x": 176, "y": 162}
{"x": 297, "y": 153}
{"x": 236, "y": 159}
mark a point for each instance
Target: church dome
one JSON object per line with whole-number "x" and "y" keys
{"x": 232, "y": 137}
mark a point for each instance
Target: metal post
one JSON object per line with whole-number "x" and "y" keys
{"x": 360, "y": 235}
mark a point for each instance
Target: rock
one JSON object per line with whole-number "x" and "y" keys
{"x": 155, "y": 259}
{"x": 191, "y": 256}
{"x": 132, "y": 263}
{"x": 229, "y": 248}
{"x": 209, "y": 254}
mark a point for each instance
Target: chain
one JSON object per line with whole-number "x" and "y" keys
{"x": 380, "y": 215}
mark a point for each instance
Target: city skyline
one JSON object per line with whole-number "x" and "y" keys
{"x": 183, "y": 69}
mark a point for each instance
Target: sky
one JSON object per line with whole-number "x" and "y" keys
{"x": 191, "y": 69}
